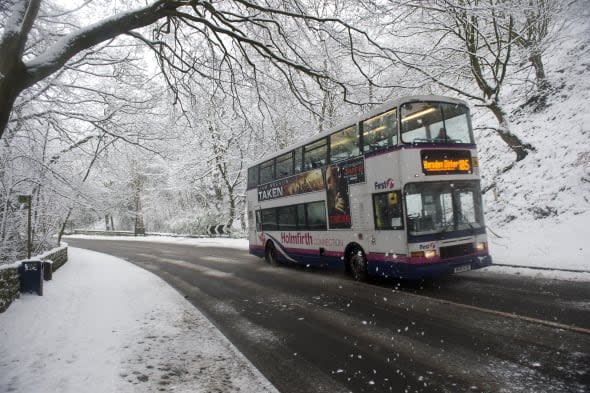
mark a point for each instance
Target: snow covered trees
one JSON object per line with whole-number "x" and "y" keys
{"x": 73, "y": 82}
{"x": 244, "y": 34}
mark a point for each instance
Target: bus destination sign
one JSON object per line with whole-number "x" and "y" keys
{"x": 446, "y": 162}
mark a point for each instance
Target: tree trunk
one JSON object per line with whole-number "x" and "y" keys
{"x": 232, "y": 207}
{"x": 516, "y": 145}
{"x": 13, "y": 72}
{"x": 537, "y": 61}
{"x": 139, "y": 224}
{"x": 543, "y": 84}
{"x": 243, "y": 218}
{"x": 63, "y": 227}
{"x": 8, "y": 94}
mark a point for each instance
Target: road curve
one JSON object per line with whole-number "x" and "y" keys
{"x": 319, "y": 331}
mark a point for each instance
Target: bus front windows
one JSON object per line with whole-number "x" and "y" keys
{"x": 435, "y": 122}
{"x": 443, "y": 207}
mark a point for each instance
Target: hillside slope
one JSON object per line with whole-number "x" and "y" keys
{"x": 539, "y": 211}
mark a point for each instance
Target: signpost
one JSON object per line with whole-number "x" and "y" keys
{"x": 217, "y": 230}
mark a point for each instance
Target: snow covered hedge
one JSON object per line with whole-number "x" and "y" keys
{"x": 9, "y": 287}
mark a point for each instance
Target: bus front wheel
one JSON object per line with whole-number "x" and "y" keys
{"x": 270, "y": 254}
{"x": 358, "y": 265}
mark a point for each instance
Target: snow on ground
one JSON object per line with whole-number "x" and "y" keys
{"x": 552, "y": 243}
{"x": 106, "y": 325}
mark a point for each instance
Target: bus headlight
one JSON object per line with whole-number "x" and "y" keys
{"x": 424, "y": 254}
{"x": 481, "y": 246}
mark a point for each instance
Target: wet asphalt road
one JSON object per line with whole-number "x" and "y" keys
{"x": 319, "y": 331}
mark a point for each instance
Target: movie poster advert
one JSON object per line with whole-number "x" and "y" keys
{"x": 298, "y": 184}
{"x": 338, "y": 177}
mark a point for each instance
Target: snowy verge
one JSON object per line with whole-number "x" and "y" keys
{"x": 541, "y": 274}
{"x": 558, "y": 243}
{"x": 105, "y": 325}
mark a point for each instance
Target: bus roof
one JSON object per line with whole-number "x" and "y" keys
{"x": 354, "y": 120}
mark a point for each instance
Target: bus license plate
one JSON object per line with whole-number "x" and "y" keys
{"x": 462, "y": 268}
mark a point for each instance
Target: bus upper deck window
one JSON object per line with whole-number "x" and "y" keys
{"x": 298, "y": 160}
{"x": 435, "y": 122}
{"x": 284, "y": 165}
{"x": 267, "y": 171}
{"x": 344, "y": 144}
{"x": 315, "y": 154}
{"x": 380, "y": 131}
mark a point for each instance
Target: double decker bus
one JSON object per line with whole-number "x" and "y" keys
{"x": 394, "y": 193}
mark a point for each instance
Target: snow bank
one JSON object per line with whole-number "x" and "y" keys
{"x": 560, "y": 243}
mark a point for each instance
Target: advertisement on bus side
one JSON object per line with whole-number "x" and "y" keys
{"x": 299, "y": 184}
{"x": 338, "y": 177}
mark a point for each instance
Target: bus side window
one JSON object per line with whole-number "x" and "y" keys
{"x": 315, "y": 154}
{"x": 258, "y": 221}
{"x": 388, "y": 210}
{"x": 269, "y": 220}
{"x": 267, "y": 170}
{"x": 284, "y": 165}
{"x": 287, "y": 218}
{"x": 344, "y": 144}
{"x": 301, "y": 220}
{"x": 316, "y": 216}
{"x": 298, "y": 160}
{"x": 380, "y": 132}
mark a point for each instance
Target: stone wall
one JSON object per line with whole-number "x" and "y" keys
{"x": 10, "y": 275}
{"x": 9, "y": 286}
{"x": 58, "y": 256}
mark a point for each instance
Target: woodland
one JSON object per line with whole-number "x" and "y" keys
{"x": 119, "y": 114}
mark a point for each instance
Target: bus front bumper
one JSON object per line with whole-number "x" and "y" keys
{"x": 416, "y": 271}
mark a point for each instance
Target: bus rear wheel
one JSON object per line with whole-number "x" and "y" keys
{"x": 270, "y": 254}
{"x": 358, "y": 265}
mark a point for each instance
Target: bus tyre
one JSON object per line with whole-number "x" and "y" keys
{"x": 358, "y": 265}
{"x": 270, "y": 254}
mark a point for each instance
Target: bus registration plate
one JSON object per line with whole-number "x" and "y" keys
{"x": 462, "y": 268}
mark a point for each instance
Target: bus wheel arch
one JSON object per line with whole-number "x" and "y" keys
{"x": 355, "y": 260}
{"x": 270, "y": 253}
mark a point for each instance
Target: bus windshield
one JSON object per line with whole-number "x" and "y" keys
{"x": 443, "y": 207}
{"x": 435, "y": 122}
